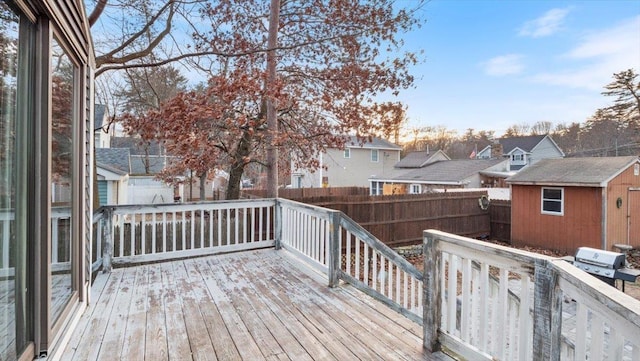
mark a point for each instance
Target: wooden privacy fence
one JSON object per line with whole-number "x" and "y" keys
{"x": 299, "y": 194}
{"x": 500, "y": 219}
{"x": 399, "y": 220}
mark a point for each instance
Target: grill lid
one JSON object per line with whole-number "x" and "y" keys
{"x": 599, "y": 258}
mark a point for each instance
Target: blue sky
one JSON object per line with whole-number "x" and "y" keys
{"x": 492, "y": 64}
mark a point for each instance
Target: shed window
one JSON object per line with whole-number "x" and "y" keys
{"x": 553, "y": 201}
{"x": 347, "y": 152}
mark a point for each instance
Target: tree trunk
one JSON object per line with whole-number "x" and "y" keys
{"x": 237, "y": 168}
{"x": 203, "y": 182}
{"x": 272, "y": 120}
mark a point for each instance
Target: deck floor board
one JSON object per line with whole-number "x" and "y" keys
{"x": 254, "y": 305}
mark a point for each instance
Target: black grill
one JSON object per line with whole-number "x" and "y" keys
{"x": 605, "y": 265}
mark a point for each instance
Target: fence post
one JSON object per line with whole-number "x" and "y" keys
{"x": 277, "y": 215}
{"x": 334, "y": 249}
{"x": 547, "y": 312}
{"x": 431, "y": 307}
{"x": 107, "y": 239}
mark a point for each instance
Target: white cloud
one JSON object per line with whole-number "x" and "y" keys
{"x": 598, "y": 55}
{"x": 509, "y": 64}
{"x": 547, "y": 24}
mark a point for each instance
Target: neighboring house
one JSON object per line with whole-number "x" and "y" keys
{"x": 564, "y": 204}
{"x": 113, "y": 168}
{"x": 137, "y": 146}
{"x": 351, "y": 166}
{"x": 420, "y": 159}
{"x": 46, "y": 97}
{"x": 522, "y": 151}
{"x": 456, "y": 173}
{"x": 102, "y": 139}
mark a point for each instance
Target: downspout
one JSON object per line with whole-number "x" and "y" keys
{"x": 603, "y": 221}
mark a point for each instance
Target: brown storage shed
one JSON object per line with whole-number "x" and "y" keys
{"x": 563, "y": 204}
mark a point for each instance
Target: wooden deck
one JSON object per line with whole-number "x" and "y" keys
{"x": 255, "y": 305}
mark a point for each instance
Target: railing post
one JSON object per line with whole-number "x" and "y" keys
{"x": 107, "y": 239}
{"x": 431, "y": 304}
{"x": 547, "y": 312}
{"x": 334, "y": 249}
{"x": 277, "y": 215}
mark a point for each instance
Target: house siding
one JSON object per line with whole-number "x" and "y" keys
{"x": 544, "y": 150}
{"x": 618, "y": 223}
{"x": 579, "y": 226}
{"x": 356, "y": 170}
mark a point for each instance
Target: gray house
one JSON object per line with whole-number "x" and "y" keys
{"x": 523, "y": 151}
{"x": 351, "y": 166}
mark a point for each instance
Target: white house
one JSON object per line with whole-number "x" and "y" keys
{"x": 351, "y": 166}
{"x": 523, "y": 151}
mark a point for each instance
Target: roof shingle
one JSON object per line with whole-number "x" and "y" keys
{"x": 587, "y": 172}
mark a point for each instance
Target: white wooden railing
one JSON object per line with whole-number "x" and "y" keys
{"x": 560, "y": 312}
{"x": 147, "y": 233}
{"x": 60, "y": 242}
{"x": 335, "y": 244}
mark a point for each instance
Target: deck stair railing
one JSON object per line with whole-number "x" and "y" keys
{"x": 337, "y": 245}
{"x": 561, "y": 312}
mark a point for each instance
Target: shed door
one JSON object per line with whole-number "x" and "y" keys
{"x": 634, "y": 217}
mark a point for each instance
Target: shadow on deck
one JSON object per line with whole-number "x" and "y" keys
{"x": 252, "y": 305}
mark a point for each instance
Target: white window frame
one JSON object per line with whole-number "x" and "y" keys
{"x": 347, "y": 153}
{"x": 376, "y": 188}
{"x": 543, "y": 200}
{"x": 374, "y": 159}
{"x": 415, "y": 189}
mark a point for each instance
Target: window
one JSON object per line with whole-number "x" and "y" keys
{"x": 376, "y": 188}
{"x": 415, "y": 189}
{"x": 517, "y": 157}
{"x": 347, "y": 152}
{"x": 16, "y": 121}
{"x": 63, "y": 182}
{"x": 374, "y": 155}
{"x": 553, "y": 201}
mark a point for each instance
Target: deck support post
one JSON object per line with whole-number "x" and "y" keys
{"x": 107, "y": 239}
{"x": 277, "y": 224}
{"x": 334, "y": 249}
{"x": 547, "y": 312}
{"x": 431, "y": 307}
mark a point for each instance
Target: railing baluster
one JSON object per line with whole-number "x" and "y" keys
{"x": 121, "y": 235}
{"x": 143, "y": 233}
{"x": 367, "y": 260}
{"x": 174, "y": 225}
{"x": 524, "y": 336}
{"x": 153, "y": 232}
{"x": 597, "y": 338}
{"x": 451, "y": 293}
{"x": 132, "y": 246}
{"x": 203, "y": 220}
{"x": 501, "y": 313}
{"x": 211, "y": 215}
{"x": 54, "y": 240}
{"x": 164, "y": 233}
{"x": 465, "y": 311}
{"x": 483, "y": 326}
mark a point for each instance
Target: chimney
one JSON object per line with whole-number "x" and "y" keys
{"x": 496, "y": 150}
